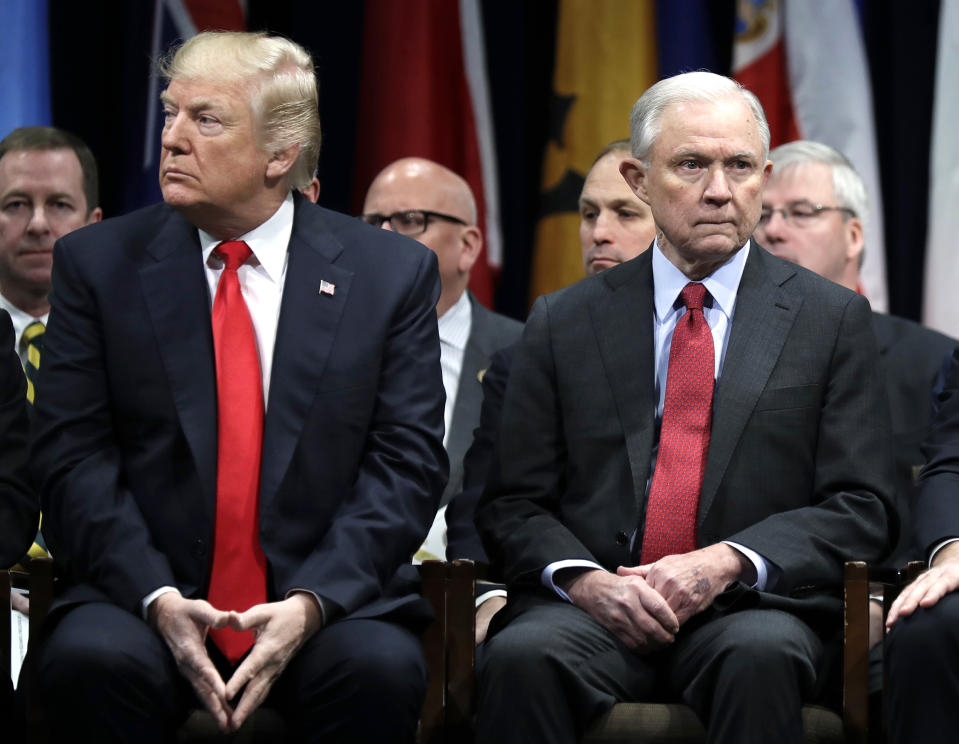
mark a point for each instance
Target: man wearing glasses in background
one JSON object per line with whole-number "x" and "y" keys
{"x": 814, "y": 206}
{"x": 432, "y": 204}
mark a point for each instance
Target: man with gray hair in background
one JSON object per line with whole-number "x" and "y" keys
{"x": 692, "y": 444}
{"x": 814, "y": 212}
{"x": 239, "y": 434}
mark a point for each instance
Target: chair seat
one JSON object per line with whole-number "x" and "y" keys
{"x": 675, "y": 723}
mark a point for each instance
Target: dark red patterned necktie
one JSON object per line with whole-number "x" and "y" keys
{"x": 684, "y": 438}
{"x": 238, "y": 576}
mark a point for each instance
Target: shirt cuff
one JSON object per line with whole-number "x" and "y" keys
{"x": 489, "y": 595}
{"x": 148, "y": 599}
{"x": 547, "y": 576}
{"x": 762, "y": 567}
{"x": 939, "y": 547}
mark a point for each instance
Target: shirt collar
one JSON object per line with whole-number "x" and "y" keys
{"x": 454, "y": 324}
{"x": 268, "y": 241}
{"x": 722, "y": 284}
{"x": 20, "y": 319}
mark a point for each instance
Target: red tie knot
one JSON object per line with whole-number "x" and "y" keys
{"x": 693, "y": 295}
{"x": 235, "y": 252}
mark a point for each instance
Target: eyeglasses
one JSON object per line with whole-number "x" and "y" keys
{"x": 800, "y": 214}
{"x": 410, "y": 222}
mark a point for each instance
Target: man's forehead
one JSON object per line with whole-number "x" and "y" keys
{"x": 800, "y": 182}
{"x": 59, "y": 165}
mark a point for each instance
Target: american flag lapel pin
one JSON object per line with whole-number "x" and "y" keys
{"x": 327, "y": 288}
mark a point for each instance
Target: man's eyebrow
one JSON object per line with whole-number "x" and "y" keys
{"x": 585, "y": 201}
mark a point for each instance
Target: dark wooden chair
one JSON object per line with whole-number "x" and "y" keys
{"x": 675, "y": 723}
{"x": 448, "y": 702}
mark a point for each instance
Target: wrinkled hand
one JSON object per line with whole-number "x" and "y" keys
{"x": 183, "y": 625}
{"x": 484, "y": 613}
{"x": 20, "y": 602}
{"x": 941, "y": 579}
{"x": 280, "y": 628}
{"x": 627, "y": 606}
{"x": 689, "y": 582}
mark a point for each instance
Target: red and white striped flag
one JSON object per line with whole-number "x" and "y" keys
{"x": 806, "y": 61}
{"x": 424, "y": 94}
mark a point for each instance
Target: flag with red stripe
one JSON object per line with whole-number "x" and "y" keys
{"x": 424, "y": 94}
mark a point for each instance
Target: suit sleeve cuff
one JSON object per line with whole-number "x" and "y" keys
{"x": 148, "y": 599}
{"x": 940, "y": 546}
{"x": 764, "y": 570}
{"x": 549, "y": 573}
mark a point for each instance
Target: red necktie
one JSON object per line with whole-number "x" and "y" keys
{"x": 238, "y": 576}
{"x": 684, "y": 439}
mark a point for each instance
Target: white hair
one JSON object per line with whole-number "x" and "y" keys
{"x": 689, "y": 87}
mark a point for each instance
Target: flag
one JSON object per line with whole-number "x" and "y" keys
{"x": 25, "y": 62}
{"x": 173, "y": 20}
{"x": 424, "y": 93}
{"x": 939, "y": 308}
{"x": 605, "y": 59}
{"x": 806, "y": 61}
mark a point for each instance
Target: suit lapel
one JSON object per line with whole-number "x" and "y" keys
{"x": 305, "y": 333}
{"x": 178, "y": 302}
{"x": 763, "y": 316}
{"x": 621, "y": 314}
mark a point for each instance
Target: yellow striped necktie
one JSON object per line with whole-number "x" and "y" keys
{"x": 32, "y": 340}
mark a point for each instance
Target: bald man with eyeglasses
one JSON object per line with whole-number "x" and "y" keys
{"x": 430, "y": 203}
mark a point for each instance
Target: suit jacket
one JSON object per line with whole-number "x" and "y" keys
{"x": 936, "y": 513}
{"x": 462, "y": 538}
{"x": 911, "y": 357}
{"x": 352, "y": 465}
{"x": 799, "y": 467}
{"x": 489, "y": 332}
{"x": 19, "y": 508}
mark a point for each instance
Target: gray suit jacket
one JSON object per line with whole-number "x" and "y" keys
{"x": 799, "y": 466}
{"x": 489, "y": 333}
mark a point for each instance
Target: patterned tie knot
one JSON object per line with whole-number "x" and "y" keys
{"x": 693, "y": 295}
{"x": 234, "y": 253}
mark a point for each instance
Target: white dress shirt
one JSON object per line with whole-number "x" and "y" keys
{"x": 454, "y": 331}
{"x": 668, "y": 282}
{"x": 20, "y": 322}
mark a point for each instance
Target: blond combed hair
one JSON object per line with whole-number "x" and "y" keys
{"x": 284, "y": 96}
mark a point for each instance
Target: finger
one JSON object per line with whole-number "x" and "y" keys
{"x": 252, "y": 665}
{"x": 210, "y": 689}
{"x": 658, "y": 609}
{"x": 202, "y": 612}
{"x": 253, "y": 618}
{"x": 254, "y": 694}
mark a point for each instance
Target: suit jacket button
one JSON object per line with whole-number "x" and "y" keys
{"x": 622, "y": 538}
{"x": 199, "y": 549}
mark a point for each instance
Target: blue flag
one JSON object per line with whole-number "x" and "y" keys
{"x": 24, "y": 65}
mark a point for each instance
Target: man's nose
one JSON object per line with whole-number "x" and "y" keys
{"x": 717, "y": 187}
{"x": 602, "y": 228}
{"x": 172, "y": 137}
{"x": 772, "y": 229}
{"x": 38, "y": 223}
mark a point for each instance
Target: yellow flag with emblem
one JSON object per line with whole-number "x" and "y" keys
{"x": 605, "y": 59}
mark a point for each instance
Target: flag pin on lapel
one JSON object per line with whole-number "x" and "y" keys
{"x": 327, "y": 288}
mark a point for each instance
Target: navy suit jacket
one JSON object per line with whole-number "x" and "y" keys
{"x": 126, "y": 446}
{"x": 19, "y": 508}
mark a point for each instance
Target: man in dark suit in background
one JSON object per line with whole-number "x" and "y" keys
{"x": 922, "y": 648}
{"x": 19, "y": 508}
{"x": 430, "y": 203}
{"x": 264, "y": 465}
{"x": 692, "y": 444}
{"x": 814, "y": 207}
